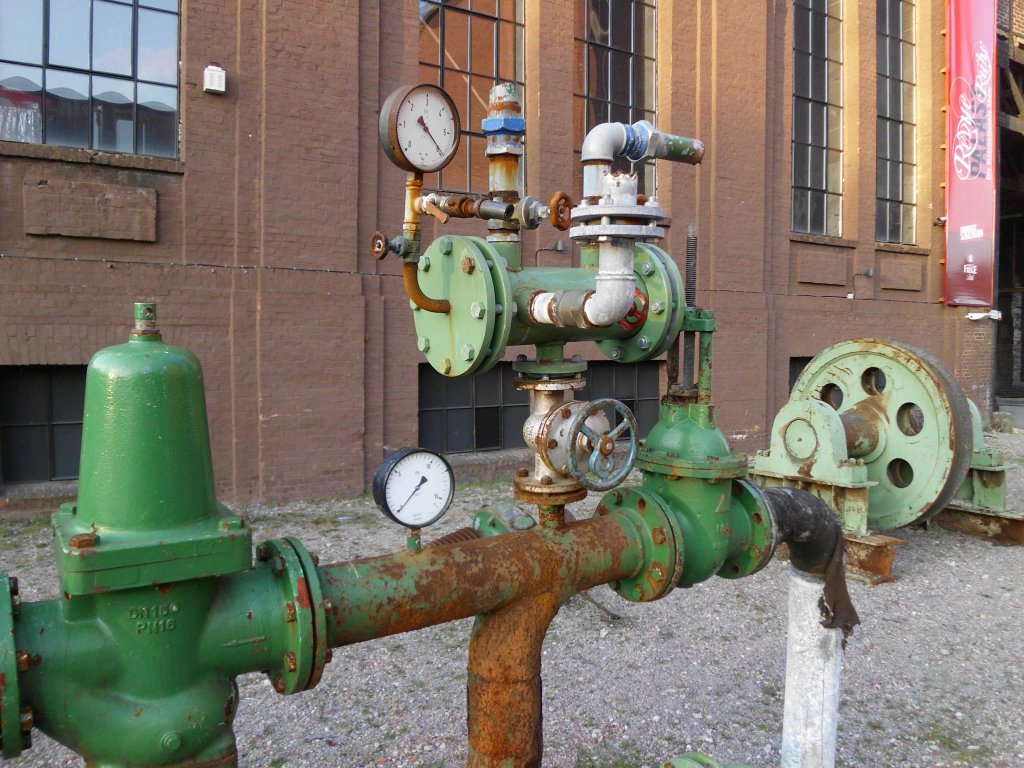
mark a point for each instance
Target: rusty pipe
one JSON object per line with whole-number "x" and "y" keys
{"x": 504, "y": 689}
{"x": 410, "y": 277}
{"x": 405, "y": 591}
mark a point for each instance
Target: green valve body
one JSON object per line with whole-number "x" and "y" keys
{"x": 161, "y": 606}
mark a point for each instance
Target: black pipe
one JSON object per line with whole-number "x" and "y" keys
{"x": 817, "y": 546}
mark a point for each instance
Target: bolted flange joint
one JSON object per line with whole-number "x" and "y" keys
{"x": 302, "y": 663}
{"x": 661, "y": 539}
{"x": 15, "y": 722}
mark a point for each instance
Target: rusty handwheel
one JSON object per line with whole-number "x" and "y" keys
{"x": 905, "y": 417}
{"x": 561, "y": 211}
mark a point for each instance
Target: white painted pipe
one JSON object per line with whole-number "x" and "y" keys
{"x": 811, "y": 708}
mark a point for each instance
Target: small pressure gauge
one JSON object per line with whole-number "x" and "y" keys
{"x": 414, "y": 487}
{"x": 419, "y": 128}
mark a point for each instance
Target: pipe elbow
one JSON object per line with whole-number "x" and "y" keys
{"x": 611, "y": 301}
{"x": 604, "y": 142}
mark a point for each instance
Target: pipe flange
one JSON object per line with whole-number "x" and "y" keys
{"x": 302, "y": 663}
{"x": 753, "y": 546}
{"x": 662, "y": 540}
{"x": 583, "y": 213}
{"x": 14, "y": 735}
{"x": 529, "y": 491}
{"x": 590, "y": 232}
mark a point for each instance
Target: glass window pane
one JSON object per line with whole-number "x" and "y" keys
{"x": 456, "y": 40}
{"x": 819, "y": 44}
{"x": 882, "y": 138}
{"x": 431, "y": 387}
{"x": 488, "y": 387}
{"x": 458, "y": 391}
{"x": 801, "y": 210}
{"x": 835, "y": 39}
{"x": 67, "y": 392}
{"x": 834, "y": 171}
{"x": 111, "y": 38}
{"x": 622, "y": 24}
{"x": 833, "y": 214}
{"x": 881, "y": 178}
{"x": 835, "y": 127}
{"x": 909, "y": 183}
{"x": 882, "y": 55}
{"x": 157, "y": 121}
{"x": 908, "y": 102}
{"x": 895, "y": 218}
{"x": 483, "y": 42}
{"x": 647, "y": 33}
{"x": 835, "y": 83}
{"x": 21, "y": 30}
{"x": 164, "y": 5}
{"x": 459, "y": 430}
{"x": 817, "y": 212}
{"x": 909, "y": 234}
{"x": 648, "y": 380}
{"x": 488, "y": 428}
{"x": 819, "y": 83}
{"x": 512, "y": 426}
{"x": 507, "y": 56}
{"x": 646, "y": 415}
{"x": 68, "y": 44}
{"x": 21, "y": 116}
{"x": 158, "y": 47}
{"x": 67, "y": 448}
{"x": 801, "y": 165}
{"x": 802, "y": 29}
{"x": 802, "y": 75}
{"x": 648, "y": 82}
{"x": 801, "y": 121}
{"x": 67, "y": 111}
{"x": 26, "y": 454}
{"x": 112, "y": 114}
{"x": 432, "y": 430}
{"x": 24, "y": 395}
{"x": 598, "y": 19}
{"x": 818, "y": 114}
{"x": 816, "y": 177}
{"x": 881, "y": 221}
{"x": 620, "y": 82}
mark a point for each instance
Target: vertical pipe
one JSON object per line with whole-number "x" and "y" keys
{"x": 811, "y": 707}
{"x": 690, "y": 272}
{"x": 704, "y": 369}
{"x": 504, "y": 694}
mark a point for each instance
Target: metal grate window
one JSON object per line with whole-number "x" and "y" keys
{"x": 471, "y": 413}
{"x": 637, "y": 386}
{"x": 40, "y": 422}
{"x": 615, "y": 71}
{"x": 90, "y": 73}
{"x": 466, "y": 47}
{"x": 817, "y": 116}
{"x": 896, "y": 162}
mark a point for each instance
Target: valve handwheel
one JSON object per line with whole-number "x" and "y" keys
{"x": 608, "y": 463}
{"x": 561, "y": 211}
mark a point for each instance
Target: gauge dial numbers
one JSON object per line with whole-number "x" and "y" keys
{"x": 414, "y": 487}
{"x": 419, "y": 128}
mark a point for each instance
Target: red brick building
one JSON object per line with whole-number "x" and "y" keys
{"x": 249, "y": 225}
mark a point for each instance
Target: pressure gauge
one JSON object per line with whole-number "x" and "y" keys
{"x": 414, "y": 487}
{"x": 419, "y": 128}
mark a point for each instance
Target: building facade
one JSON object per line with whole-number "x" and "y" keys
{"x": 247, "y": 215}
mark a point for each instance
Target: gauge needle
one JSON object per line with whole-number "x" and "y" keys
{"x": 423, "y": 123}
{"x": 418, "y": 486}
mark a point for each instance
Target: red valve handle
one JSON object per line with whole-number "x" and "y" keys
{"x": 637, "y": 316}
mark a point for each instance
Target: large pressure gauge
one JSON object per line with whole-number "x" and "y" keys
{"x": 414, "y": 487}
{"x": 419, "y": 128}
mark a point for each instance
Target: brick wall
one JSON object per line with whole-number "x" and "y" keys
{"x": 260, "y": 264}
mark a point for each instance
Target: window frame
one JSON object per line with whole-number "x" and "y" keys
{"x": 817, "y": 142}
{"x": 44, "y": 68}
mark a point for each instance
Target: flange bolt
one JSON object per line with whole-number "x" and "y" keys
{"x": 171, "y": 741}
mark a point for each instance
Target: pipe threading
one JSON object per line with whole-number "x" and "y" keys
{"x": 457, "y": 537}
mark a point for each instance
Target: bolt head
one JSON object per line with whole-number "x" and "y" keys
{"x": 657, "y": 307}
{"x": 171, "y": 741}
{"x": 83, "y": 541}
{"x": 617, "y": 353}
{"x": 477, "y": 310}
{"x": 643, "y": 342}
{"x": 468, "y": 352}
{"x": 522, "y": 473}
{"x": 468, "y": 265}
{"x": 445, "y": 245}
{"x": 647, "y": 268}
{"x": 423, "y": 343}
{"x": 545, "y": 480}
{"x": 552, "y": 443}
{"x": 445, "y": 365}
{"x": 424, "y": 263}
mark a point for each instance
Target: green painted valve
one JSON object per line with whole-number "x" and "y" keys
{"x": 490, "y": 299}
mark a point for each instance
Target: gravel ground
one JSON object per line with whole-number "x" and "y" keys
{"x": 933, "y": 677}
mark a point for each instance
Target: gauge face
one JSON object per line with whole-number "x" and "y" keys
{"x": 414, "y": 487}
{"x": 419, "y": 128}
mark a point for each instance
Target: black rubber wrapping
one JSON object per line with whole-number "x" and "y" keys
{"x": 817, "y": 546}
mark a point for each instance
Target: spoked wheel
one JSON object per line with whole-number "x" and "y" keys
{"x": 905, "y": 416}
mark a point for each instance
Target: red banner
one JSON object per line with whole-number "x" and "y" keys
{"x": 971, "y": 153}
